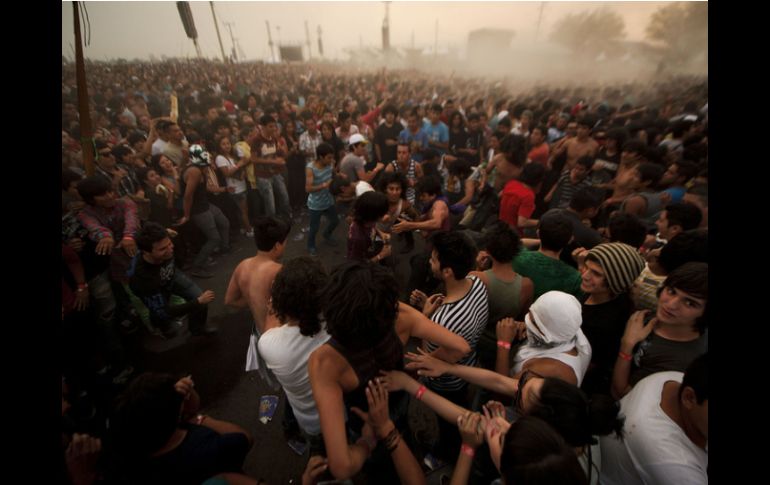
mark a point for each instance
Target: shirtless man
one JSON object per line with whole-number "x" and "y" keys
{"x": 579, "y": 146}
{"x": 250, "y": 284}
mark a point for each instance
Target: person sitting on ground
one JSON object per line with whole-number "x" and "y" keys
{"x": 154, "y": 277}
{"x": 160, "y": 437}
{"x": 667, "y": 430}
{"x": 673, "y": 337}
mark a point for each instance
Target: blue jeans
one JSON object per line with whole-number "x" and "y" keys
{"x": 315, "y": 224}
{"x": 187, "y": 289}
{"x": 274, "y": 196}
{"x": 216, "y": 228}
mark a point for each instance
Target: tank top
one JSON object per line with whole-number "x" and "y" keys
{"x": 410, "y": 175}
{"x": 200, "y": 199}
{"x": 322, "y": 199}
{"x": 387, "y": 354}
{"x": 504, "y": 301}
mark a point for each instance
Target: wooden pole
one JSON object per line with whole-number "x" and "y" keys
{"x": 86, "y": 135}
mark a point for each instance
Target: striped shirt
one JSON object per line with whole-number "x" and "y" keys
{"x": 411, "y": 174}
{"x": 466, "y": 317}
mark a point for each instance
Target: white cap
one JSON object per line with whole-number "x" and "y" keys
{"x": 357, "y": 138}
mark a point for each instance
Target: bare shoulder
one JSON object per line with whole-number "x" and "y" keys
{"x": 551, "y": 368}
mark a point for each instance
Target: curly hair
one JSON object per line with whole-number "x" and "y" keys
{"x": 296, "y": 293}
{"x": 360, "y": 304}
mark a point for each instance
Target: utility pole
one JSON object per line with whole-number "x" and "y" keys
{"x": 307, "y": 41}
{"x": 320, "y": 45}
{"x": 386, "y": 29}
{"x": 270, "y": 41}
{"x": 539, "y": 19}
{"x": 219, "y": 37}
{"x": 229, "y": 26}
{"x": 86, "y": 138}
{"x": 435, "y": 42}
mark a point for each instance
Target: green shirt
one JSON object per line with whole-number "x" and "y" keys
{"x": 548, "y": 274}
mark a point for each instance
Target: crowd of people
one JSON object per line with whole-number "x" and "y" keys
{"x": 555, "y": 314}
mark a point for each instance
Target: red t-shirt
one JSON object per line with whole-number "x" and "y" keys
{"x": 539, "y": 154}
{"x": 517, "y": 200}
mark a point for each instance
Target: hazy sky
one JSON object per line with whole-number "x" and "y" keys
{"x": 139, "y": 29}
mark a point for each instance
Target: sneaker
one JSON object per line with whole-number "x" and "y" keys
{"x": 249, "y": 233}
{"x": 201, "y": 273}
{"x": 312, "y": 251}
{"x": 298, "y": 237}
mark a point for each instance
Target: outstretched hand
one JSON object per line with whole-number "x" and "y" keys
{"x": 426, "y": 365}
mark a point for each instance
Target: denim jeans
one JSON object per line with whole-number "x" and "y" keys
{"x": 275, "y": 196}
{"x": 315, "y": 224}
{"x": 215, "y": 226}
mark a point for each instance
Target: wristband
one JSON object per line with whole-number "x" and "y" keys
{"x": 504, "y": 344}
{"x": 420, "y": 392}
{"x": 467, "y": 450}
{"x": 624, "y": 356}
{"x": 200, "y": 419}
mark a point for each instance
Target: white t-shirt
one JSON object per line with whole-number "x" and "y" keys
{"x": 239, "y": 185}
{"x": 655, "y": 449}
{"x": 286, "y": 353}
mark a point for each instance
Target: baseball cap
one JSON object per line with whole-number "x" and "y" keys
{"x": 357, "y": 138}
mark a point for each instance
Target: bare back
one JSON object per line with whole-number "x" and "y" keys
{"x": 250, "y": 286}
{"x": 577, "y": 149}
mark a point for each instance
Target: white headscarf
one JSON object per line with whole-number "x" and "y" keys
{"x": 558, "y": 316}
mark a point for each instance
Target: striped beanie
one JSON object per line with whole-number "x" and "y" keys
{"x": 621, "y": 264}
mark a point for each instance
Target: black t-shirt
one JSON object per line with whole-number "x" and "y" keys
{"x": 457, "y": 140}
{"x": 385, "y": 132}
{"x": 203, "y": 454}
{"x": 603, "y": 326}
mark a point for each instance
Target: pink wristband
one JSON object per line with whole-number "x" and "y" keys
{"x": 467, "y": 450}
{"x": 625, "y": 356}
{"x": 503, "y": 344}
{"x": 420, "y": 392}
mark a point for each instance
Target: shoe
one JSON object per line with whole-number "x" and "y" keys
{"x": 205, "y": 331}
{"x": 201, "y": 273}
{"x": 298, "y": 237}
{"x": 249, "y": 233}
{"x": 312, "y": 251}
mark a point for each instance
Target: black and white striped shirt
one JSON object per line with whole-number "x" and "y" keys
{"x": 466, "y": 317}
